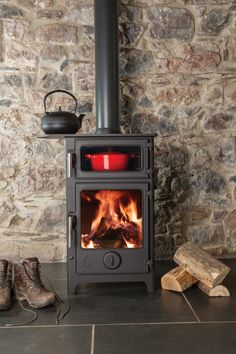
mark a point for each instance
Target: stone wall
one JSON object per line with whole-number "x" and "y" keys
{"x": 178, "y": 62}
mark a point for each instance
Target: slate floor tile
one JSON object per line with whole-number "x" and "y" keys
{"x": 47, "y": 340}
{"x": 215, "y": 308}
{"x": 122, "y": 303}
{"x": 166, "y": 339}
{"x": 218, "y": 308}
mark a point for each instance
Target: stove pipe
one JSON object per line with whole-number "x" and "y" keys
{"x": 107, "y": 66}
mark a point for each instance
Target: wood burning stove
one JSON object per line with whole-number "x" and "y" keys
{"x": 110, "y": 213}
{"x": 109, "y": 181}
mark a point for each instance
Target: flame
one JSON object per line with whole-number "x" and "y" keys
{"x": 116, "y": 220}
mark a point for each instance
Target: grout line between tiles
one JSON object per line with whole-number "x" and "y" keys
{"x": 166, "y": 323}
{"x": 120, "y": 324}
{"x": 193, "y": 311}
{"x": 92, "y": 339}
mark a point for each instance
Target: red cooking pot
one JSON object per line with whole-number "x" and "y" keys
{"x": 109, "y": 161}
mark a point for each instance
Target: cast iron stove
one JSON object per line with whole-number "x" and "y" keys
{"x": 109, "y": 212}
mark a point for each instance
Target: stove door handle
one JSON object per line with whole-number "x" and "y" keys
{"x": 70, "y": 163}
{"x": 71, "y": 228}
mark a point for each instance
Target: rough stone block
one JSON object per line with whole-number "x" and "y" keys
{"x": 82, "y": 15}
{"x": 35, "y": 4}
{"x": 10, "y": 11}
{"x": 84, "y": 77}
{"x": 208, "y": 181}
{"x": 130, "y": 13}
{"x": 50, "y": 252}
{"x": 130, "y": 33}
{"x": 230, "y": 221}
{"x": 205, "y": 235}
{"x": 136, "y": 62}
{"x": 57, "y": 33}
{"x": 20, "y": 56}
{"x": 53, "y": 219}
{"x": 196, "y": 214}
{"x": 198, "y": 156}
{"x": 218, "y": 215}
{"x": 214, "y": 21}
{"x": 52, "y": 81}
{"x": 171, "y": 22}
{"x": 52, "y": 52}
{"x": 226, "y": 151}
{"x": 142, "y": 122}
{"x": 220, "y": 121}
{"x": 178, "y": 95}
{"x": 50, "y": 14}
{"x": 211, "y": 2}
{"x": 197, "y": 60}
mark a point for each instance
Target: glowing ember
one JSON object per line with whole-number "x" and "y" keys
{"x": 116, "y": 223}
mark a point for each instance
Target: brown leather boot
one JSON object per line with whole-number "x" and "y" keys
{"x": 29, "y": 286}
{"x": 5, "y": 284}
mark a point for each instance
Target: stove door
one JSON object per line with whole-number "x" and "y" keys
{"x": 112, "y": 228}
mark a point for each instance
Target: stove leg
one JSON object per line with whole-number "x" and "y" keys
{"x": 150, "y": 286}
{"x": 72, "y": 287}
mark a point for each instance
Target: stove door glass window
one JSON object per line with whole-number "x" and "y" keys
{"x": 111, "y": 219}
{"x": 112, "y": 158}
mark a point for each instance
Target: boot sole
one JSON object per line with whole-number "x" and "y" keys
{"x": 35, "y": 306}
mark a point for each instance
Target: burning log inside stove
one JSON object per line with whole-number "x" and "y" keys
{"x": 116, "y": 223}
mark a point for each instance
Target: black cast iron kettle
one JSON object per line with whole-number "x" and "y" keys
{"x": 61, "y": 122}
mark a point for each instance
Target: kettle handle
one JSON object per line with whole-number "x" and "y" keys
{"x": 68, "y": 93}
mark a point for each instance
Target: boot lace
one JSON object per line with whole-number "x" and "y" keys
{"x": 36, "y": 278}
{"x": 5, "y": 278}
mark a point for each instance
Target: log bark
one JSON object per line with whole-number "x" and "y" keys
{"x": 201, "y": 264}
{"x": 218, "y": 290}
{"x": 177, "y": 280}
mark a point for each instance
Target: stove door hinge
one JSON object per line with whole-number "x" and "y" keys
{"x": 148, "y": 145}
{"x": 149, "y": 194}
{"x": 149, "y": 264}
{"x": 149, "y": 171}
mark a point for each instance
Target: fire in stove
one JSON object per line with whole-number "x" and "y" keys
{"x": 111, "y": 219}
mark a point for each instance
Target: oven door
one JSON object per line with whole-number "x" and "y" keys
{"x": 112, "y": 228}
{"x": 112, "y": 157}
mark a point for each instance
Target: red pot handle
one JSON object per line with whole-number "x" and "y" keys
{"x": 89, "y": 156}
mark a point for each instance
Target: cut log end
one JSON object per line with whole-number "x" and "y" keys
{"x": 177, "y": 280}
{"x": 218, "y": 290}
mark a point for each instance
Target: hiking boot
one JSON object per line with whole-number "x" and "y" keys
{"x": 5, "y": 284}
{"x": 29, "y": 286}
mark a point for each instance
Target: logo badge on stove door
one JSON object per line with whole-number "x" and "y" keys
{"x": 85, "y": 262}
{"x": 112, "y": 260}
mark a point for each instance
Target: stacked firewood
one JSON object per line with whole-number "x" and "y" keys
{"x": 196, "y": 266}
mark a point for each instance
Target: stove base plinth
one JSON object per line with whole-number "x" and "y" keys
{"x": 77, "y": 279}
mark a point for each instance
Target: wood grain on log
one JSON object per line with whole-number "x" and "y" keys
{"x": 201, "y": 264}
{"x": 177, "y": 279}
{"x": 218, "y": 290}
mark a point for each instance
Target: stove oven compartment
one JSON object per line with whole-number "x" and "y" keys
{"x": 138, "y": 152}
